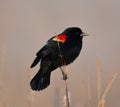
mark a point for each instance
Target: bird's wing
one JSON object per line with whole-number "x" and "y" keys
{"x": 59, "y": 38}
{"x": 50, "y": 48}
{"x": 51, "y": 39}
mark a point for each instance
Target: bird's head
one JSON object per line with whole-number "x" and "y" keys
{"x": 75, "y": 31}
{"x": 70, "y": 34}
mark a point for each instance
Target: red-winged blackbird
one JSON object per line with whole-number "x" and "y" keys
{"x": 66, "y": 45}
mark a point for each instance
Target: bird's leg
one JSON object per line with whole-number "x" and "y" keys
{"x": 65, "y": 77}
{"x": 63, "y": 63}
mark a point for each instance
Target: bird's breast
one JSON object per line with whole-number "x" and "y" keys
{"x": 70, "y": 52}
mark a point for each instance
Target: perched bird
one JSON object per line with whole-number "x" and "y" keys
{"x": 60, "y": 50}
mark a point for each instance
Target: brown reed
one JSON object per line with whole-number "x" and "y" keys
{"x": 102, "y": 100}
{"x": 99, "y": 79}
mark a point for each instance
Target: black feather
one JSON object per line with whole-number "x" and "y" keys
{"x": 50, "y": 56}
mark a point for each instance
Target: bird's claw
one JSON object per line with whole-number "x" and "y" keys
{"x": 65, "y": 77}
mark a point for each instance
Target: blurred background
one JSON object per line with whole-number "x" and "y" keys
{"x": 26, "y": 25}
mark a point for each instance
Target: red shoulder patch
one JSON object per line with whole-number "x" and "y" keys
{"x": 60, "y": 38}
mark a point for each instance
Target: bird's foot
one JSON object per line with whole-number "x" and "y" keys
{"x": 65, "y": 77}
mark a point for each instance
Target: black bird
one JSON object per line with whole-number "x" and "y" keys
{"x": 60, "y": 50}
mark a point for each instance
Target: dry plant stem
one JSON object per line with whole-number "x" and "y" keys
{"x": 106, "y": 90}
{"x": 67, "y": 97}
{"x": 66, "y": 88}
{"x": 99, "y": 80}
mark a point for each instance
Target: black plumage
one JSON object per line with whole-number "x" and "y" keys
{"x": 67, "y": 44}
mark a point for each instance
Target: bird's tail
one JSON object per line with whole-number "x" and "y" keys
{"x": 40, "y": 82}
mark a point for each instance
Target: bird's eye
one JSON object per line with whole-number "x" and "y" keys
{"x": 77, "y": 33}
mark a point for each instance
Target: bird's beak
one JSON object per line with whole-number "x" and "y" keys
{"x": 84, "y": 34}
